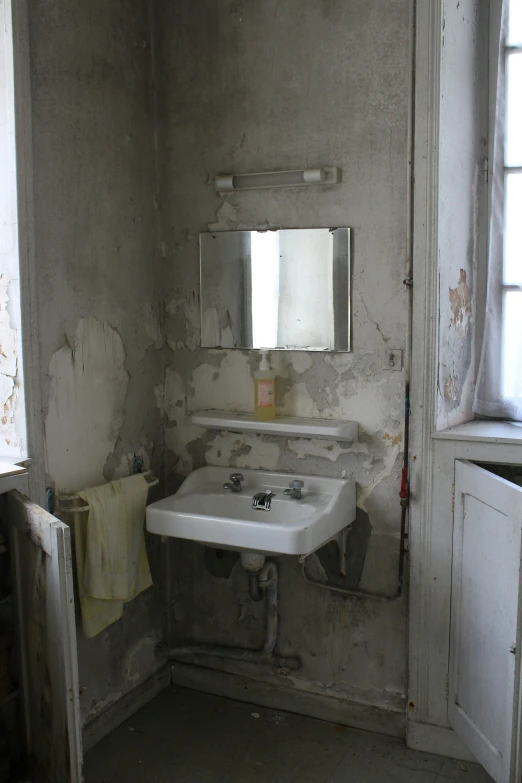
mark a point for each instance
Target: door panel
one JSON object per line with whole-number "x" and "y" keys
{"x": 485, "y": 623}
{"x": 41, "y": 548}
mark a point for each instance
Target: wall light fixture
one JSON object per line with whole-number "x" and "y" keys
{"x": 325, "y": 175}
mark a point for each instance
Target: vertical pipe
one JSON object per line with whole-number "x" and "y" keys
{"x": 268, "y": 582}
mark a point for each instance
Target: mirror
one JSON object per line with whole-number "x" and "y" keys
{"x": 287, "y": 289}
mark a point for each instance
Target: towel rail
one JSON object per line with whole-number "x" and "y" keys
{"x": 69, "y": 502}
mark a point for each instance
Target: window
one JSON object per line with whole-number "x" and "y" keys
{"x": 498, "y": 390}
{"x": 12, "y": 403}
{"x": 512, "y": 261}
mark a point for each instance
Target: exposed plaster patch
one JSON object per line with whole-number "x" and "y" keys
{"x": 7, "y": 333}
{"x": 86, "y": 405}
{"x": 460, "y": 301}
{"x": 174, "y": 396}
{"x": 141, "y": 658}
{"x": 450, "y": 388}
{"x": 392, "y": 440}
{"x": 159, "y": 394}
{"x": 227, "y": 218}
{"x": 390, "y": 458}
{"x": 317, "y": 448}
{"x": 367, "y": 323}
{"x": 298, "y": 401}
{"x": 220, "y": 334}
{"x": 186, "y": 310}
{"x": 8, "y": 398}
{"x": 232, "y": 390}
{"x": 301, "y": 362}
{"x": 175, "y": 345}
{"x": 125, "y": 464}
{"x": 152, "y": 324}
{"x": 228, "y": 449}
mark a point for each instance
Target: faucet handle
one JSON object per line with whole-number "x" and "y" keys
{"x": 235, "y": 478}
{"x": 296, "y": 484}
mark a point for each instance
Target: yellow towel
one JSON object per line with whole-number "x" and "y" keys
{"x": 111, "y": 557}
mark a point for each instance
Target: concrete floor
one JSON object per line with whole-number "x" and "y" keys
{"x": 187, "y": 737}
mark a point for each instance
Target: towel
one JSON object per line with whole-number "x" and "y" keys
{"x": 111, "y": 557}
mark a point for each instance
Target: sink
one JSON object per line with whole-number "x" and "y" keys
{"x": 203, "y": 511}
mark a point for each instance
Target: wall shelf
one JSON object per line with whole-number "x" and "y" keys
{"x": 288, "y": 426}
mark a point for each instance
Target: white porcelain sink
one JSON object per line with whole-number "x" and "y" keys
{"x": 203, "y": 511}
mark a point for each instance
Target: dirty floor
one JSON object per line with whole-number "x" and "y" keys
{"x": 187, "y": 737}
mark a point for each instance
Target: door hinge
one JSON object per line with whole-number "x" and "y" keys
{"x": 453, "y": 498}
{"x": 485, "y": 170}
{"x": 447, "y": 686}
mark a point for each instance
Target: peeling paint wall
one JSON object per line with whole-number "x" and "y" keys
{"x": 266, "y": 86}
{"x": 98, "y": 281}
{"x": 462, "y": 193}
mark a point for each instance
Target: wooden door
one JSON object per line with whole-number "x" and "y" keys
{"x": 41, "y": 552}
{"x": 484, "y": 682}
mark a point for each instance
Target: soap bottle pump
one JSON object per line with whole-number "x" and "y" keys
{"x": 264, "y": 390}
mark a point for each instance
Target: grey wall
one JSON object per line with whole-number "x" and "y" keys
{"x": 462, "y": 201}
{"x": 266, "y": 86}
{"x": 98, "y": 279}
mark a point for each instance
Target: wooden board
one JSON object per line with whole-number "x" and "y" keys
{"x": 484, "y": 686}
{"x": 41, "y": 547}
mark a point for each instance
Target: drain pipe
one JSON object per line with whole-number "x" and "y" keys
{"x": 262, "y": 582}
{"x": 268, "y": 584}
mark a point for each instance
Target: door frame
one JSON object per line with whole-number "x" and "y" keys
{"x": 428, "y": 25}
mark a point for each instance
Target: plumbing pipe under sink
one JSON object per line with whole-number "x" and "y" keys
{"x": 266, "y": 579}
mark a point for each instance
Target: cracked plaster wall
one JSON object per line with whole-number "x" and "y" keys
{"x": 461, "y": 207}
{"x": 98, "y": 281}
{"x": 262, "y": 86}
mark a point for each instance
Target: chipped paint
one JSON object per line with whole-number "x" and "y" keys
{"x": 304, "y": 449}
{"x": 152, "y": 324}
{"x": 392, "y": 440}
{"x": 301, "y": 362}
{"x": 450, "y": 388}
{"x": 226, "y": 218}
{"x": 460, "y": 301}
{"x": 456, "y": 356}
{"x": 86, "y": 405}
{"x": 186, "y": 313}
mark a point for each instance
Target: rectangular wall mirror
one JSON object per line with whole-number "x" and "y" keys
{"x": 287, "y": 289}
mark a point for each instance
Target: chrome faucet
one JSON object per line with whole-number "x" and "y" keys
{"x": 234, "y": 485}
{"x": 294, "y": 489}
{"x": 262, "y": 501}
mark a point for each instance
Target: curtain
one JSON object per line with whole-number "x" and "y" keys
{"x": 490, "y": 394}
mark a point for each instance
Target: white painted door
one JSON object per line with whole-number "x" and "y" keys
{"x": 41, "y": 551}
{"x": 484, "y": 683}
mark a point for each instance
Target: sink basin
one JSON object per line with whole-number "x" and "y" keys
{"x": 203, "y": 511}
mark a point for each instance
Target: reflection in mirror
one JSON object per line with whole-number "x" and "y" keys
{"x": 287, "y": 289}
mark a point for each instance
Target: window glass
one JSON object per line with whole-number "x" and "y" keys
{"x": 515, "y": 23}
{"x": 513, "y": 229}
{"x": 514, "y": 108}
{"x": 512, "y": 345}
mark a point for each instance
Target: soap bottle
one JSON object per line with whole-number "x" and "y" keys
{"x": 264, "y": 390}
